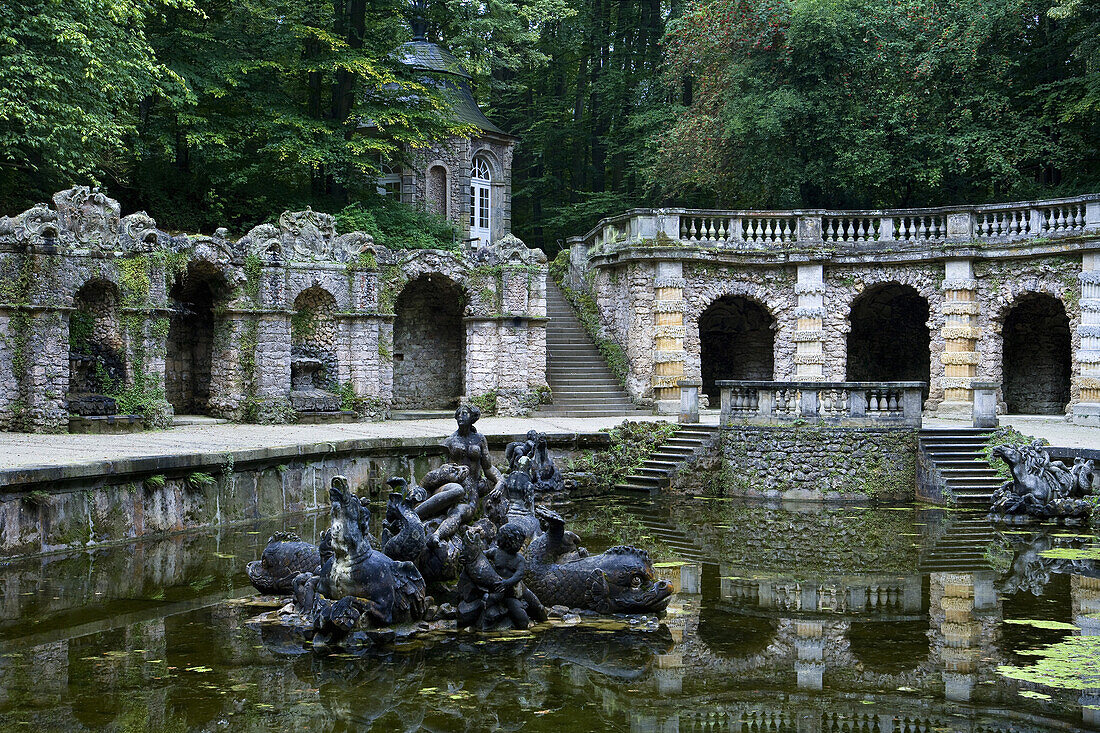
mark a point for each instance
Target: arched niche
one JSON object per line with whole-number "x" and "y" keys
{"x": 429, "y": 344}
{"x": 188, "y": 363}
{"x": 97, "y": 349}
{"x": 889, "y": 339}
{"x": 313, "y": 334}
{"x": 1036, "y": 357}
{"x": 736, "y": 341}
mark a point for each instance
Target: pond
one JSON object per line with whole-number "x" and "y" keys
{"x": 789, "y": 618}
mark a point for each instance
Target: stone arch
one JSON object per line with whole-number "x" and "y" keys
{"x": 429, "y": 344}
{"x": 889, "y": 338}
{"x": 189, "y": 364}
{"x": 97, "y": 348}
{"x": 736, "y": 341}
{"x": 314, "y": 356}
{"x": 1036, "y": 355}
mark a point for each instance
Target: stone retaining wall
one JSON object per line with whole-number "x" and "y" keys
{"x": 819, "y": 463}
{"x": 59, "y": 508}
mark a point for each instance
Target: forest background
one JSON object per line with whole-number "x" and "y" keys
{"x": 211, "y": 113}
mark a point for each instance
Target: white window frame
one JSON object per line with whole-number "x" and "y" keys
{"x": 481, "y": 200}
{"x": 389, "y": 183}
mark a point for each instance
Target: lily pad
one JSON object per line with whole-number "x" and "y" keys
{"x": 1072, "y": 553}
{"x": 1071, "y": 664}
{"x": 1034, "y": 695}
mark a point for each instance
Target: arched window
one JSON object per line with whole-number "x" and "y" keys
{"x": 389, "y": 183}
{"x": 481, "y": 179}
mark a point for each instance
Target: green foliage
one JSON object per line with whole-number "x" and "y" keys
{"x": 866, "y": 103}
{"x": 360, "y": 405}
{"x": 80, "y": 330}
{"x": 134, "y": 281}
{"x": 253, "y": 271}
{"x": 486, "y": 402}
{"x": 1006, "y": 435}
{"x": 72, "y": 79}
{"x": 631, "y": 445}
{"x": 199, "y": 480}
{"x": 157, "y": 481}
{"x": 397, "y": 225}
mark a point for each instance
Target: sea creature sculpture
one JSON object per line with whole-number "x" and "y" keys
{"x": 620, "y": 580}
{"x": 403, "y": 535}
{"x": 392, "y": 590}
{"x": 285, "y": 556}
{"x": 1040, "y": 487}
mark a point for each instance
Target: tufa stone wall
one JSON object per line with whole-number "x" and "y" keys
{"x": 806, "y": 462}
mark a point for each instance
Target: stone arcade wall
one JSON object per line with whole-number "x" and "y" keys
{"x": 654, "y": 272}
{"x": 241, "y": 362}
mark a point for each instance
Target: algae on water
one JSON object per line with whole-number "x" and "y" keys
{"x": 1071, "y": 664}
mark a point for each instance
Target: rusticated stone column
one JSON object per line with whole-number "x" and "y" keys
{"x": 809, "y": 358}
{"x": 1087, "y": 409}
{"x": 668, "y": 353}
{"x": 960, "y": 334}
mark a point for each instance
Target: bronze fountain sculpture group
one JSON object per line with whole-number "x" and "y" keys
{"x": 1042, "y": 488}
{"x": 466, "y": 535}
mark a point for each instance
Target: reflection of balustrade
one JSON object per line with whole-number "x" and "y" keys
{"x": 835, "y": 402}
{"x": 865, "y": 229}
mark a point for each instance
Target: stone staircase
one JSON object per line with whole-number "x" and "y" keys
{"x": 963, "y": 547}
{"x": 669, "y": 536}
{"x": 656, "y": 471}
{"x": 957, "y": 454}
{"x": 582, "y": 383}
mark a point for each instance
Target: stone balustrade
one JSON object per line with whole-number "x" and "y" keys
{"x": 845, "y": 403}
{"x": 1005, "y": 222}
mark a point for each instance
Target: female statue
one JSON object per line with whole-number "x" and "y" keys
{"x": 467, "y": 447}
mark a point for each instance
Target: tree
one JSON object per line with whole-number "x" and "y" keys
{"x": 71, "y": 77}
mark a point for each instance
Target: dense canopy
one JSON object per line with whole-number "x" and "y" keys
{"x": 212, "y": 112}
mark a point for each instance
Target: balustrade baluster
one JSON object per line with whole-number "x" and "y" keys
{"x": 683, "y": 229}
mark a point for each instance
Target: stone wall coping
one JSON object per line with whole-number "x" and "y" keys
{"x": 520, "y": 316}
{"x": 14, "y": 480}
{"x": 819, "y": 386}
{"x": 692, "y": 382}
{"x": 843, "y": 213}
{"x": 985, "y": 385}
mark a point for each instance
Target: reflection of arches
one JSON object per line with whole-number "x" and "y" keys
{"x": 191, "y": 337}
{"x": 97, "y": 362}
{"x": 736, "y": 341}
{"x": 889, "y": 647}
{"x": 428, "y": 344}
{"x": 1036, "y": 357}
{"x": 735, "y": 636}
{"x": 889, "y": 339}
{"x": 313, "y": 335}
{"x": 438, "y": 190}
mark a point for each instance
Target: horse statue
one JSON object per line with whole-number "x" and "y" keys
{"x": 1041, "y": 487}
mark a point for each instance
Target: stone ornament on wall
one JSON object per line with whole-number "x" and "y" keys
{"x": 508, "y": 250}
{"x": 90, "y": 216}
{"x": 139, "y": 233}
{"x": 37, "y": 225}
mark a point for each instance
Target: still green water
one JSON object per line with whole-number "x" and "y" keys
{"x": 789, "y": 618}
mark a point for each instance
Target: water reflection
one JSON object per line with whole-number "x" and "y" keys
{"x": 787, "y": 618}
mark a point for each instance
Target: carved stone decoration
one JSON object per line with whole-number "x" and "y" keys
{"x": 508, "y": 250}
{"x": 90, "y": 216}
{"x": 37, "y": 225}
{"x": 139, "y": 233}
{"x": 349, "y": 246}
{"x": 621, "y": 580}
{"x": 264, "y": 242}
{"x": 1041, "y": 487}
{"x": 307, "y": 235}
